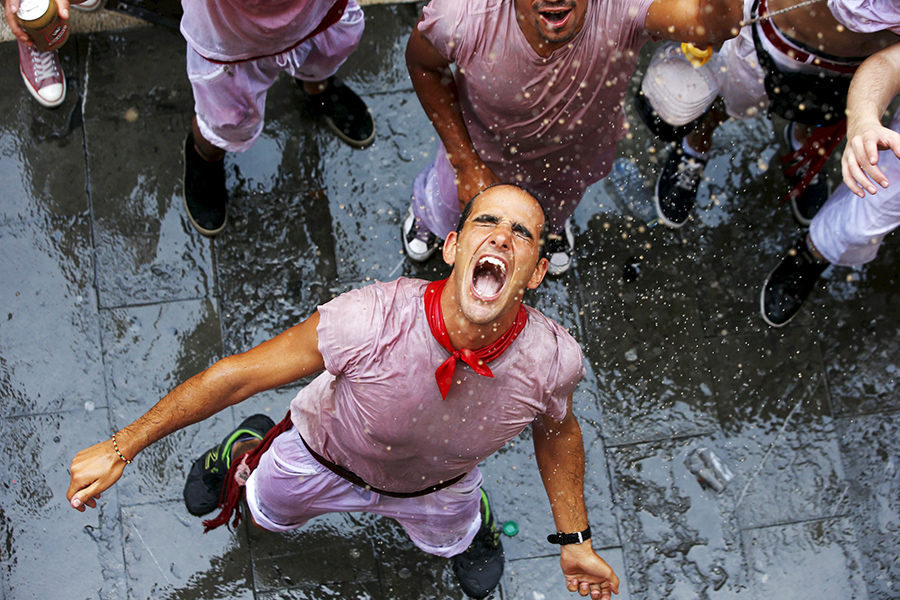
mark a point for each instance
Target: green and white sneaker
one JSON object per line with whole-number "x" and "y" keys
{"x": 480, "y": 567}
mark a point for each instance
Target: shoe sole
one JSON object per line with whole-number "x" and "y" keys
{"x": 762, "y": 302}
{"x": 358, "y": 144}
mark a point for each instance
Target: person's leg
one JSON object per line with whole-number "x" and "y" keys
{"x": 806, "y": 203}
{"x": 434, "y": 209}
{"x": 314, "y": 65}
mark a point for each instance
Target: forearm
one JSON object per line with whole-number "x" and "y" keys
{"x": 875, "y": 83}
{"x": 721, "y": 20}
{"x": 697, "y": 21}
{"x": 560, "y": 458}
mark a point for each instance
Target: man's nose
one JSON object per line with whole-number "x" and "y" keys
{"x": 501, "y": 235}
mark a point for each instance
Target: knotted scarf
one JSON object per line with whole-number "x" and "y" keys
{"x": 477, "y": 359}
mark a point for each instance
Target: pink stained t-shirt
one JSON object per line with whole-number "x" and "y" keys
{"x": 230, "y": 30}
{"x": 377, "y": 409}
{"x": 535, "y": 120}
{"x": 867, "y": 16}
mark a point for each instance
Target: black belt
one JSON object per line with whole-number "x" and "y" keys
{"x": 355, "y": 479}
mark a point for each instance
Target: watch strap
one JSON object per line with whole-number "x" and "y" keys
{"x": 569, "y": 538}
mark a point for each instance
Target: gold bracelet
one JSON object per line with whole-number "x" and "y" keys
{"x": 122, "y": 456}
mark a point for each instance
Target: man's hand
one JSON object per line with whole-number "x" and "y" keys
{"x": 12, "y": 7}
{"x": 471, "y": 180}
{"x": 860, "y": 157}
{"x": 587, "y": 573}
{"x": 94, "y": 470}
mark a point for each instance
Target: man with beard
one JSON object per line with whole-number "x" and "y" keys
{"x": 422, "y": 381}
{"x": 536, "y": 98}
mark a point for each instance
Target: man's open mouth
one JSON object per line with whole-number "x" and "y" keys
{"x": 555, "y": 17}
{"x": 488, "y": 278}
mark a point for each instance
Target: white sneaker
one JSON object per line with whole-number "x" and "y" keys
{"x": 418, "y": 242}
{"x": 559, "y": 251}
{"x": 43, "y": 75}
{"x": 88, "y": 5}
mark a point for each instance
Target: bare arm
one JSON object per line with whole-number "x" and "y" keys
{"x": 285, "y": 358}
{"x": 697, "y": 21}
{"x": 437, "y": 91}
{"x": 874, "y": 85}
{"x": 559, "y": 451}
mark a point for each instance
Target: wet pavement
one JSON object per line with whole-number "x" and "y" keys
{"x": 110, "y": 299}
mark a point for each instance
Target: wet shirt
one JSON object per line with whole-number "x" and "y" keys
{"x": 867, "y": 16}
{"x": 533, "y": 119}
{"x": 377, "y": 409}
{"x": 229, "y": 30}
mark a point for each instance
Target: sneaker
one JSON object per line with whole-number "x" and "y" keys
{"x": 480, "y": 567}
{"x": 806, "y": 204}
{"x": 43, "y": 75}
{"x": 559, "y": 250}
{"x": 206, "y": 479}
{"x": 788, "y": 285}
{"x": 676, "y": 187}
{"x": 345, "y": 113}
{"x": 418, "y": 242}
{"x": 205, "y": 196}
{"x": 88, "y": 5}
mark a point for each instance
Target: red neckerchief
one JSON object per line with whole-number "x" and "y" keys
{"x": 477, "y": 359}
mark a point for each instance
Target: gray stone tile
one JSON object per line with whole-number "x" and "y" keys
{"x": 50, "y": 356}
{"x": 541, "y": 578}
{"x": 780, "y": 436}
{"x": 47, "y": 544}
{"x": 679, "y": 539}
{"x": 366, "y": 590}
{"x": 136, "y": 73}
{"x": 168, "y": 555}
{"x": 805, "y": 561}
{"x": 857, "y": 328}
{"x": 870, "y": 446}
{"x": 149, "y": 350}
{"x": 319, "y": 555}
{"x": 146, "y": 248}
{"x": 643, "y": 338}
{"x": 378, "y": 64}
{"x": 276, "y": 264}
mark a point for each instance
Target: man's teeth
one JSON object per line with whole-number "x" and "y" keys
{"x": 490, "y": 260}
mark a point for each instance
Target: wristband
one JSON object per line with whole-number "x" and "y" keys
{"x": 570, "y": 538}
{"x": 127, "y": 461}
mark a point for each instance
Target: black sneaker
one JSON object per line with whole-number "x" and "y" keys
{"x": 480, "y": 567}
{"x": 206, "y": 479}
{"x": 418, "y": 242}
{"x": 205, "y": 196}
{"x": 788, "y": 285}
{"x": 676, "y": 187}
{"x": 344, "y": 112}
{"x": 559, "y": 250}
{"x": 807, "y": 203}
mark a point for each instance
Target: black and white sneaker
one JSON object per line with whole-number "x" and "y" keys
{"x": 480, "y": 567}
{"x": 344, "y": 112}
{"x": 418, "y": 242}
{"x": 559, "y": 250}
{"x": 807, "y": 203}
{"x": 204, "y": 192}
{"x": 676, "y": 187}
{"x": 788, "y": 285}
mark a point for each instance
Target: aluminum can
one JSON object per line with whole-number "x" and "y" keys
{"x": 40, "y": 20}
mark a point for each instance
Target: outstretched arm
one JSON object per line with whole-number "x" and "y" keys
{"x": 285, "y": 358}
{"x": 559, "y": 450}
{"x": 874, "y": 85}
{"x": 437, "y": 91}
{"x": 697, "y": 21}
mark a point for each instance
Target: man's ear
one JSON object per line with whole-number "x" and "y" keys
{"x": 449, "y": 250}
{"x": 540, "y": 270}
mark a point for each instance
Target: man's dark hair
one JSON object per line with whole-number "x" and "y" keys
{"x": 468, "y": 211}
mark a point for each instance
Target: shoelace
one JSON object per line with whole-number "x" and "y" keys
{"x": 44, "y": 65}
{"x": 689, "y": 175}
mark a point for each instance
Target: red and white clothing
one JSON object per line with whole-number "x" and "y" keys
{"x": 550, "y": 125}
{"x": 377, "y": 411}
{"x": 230, "y": 99}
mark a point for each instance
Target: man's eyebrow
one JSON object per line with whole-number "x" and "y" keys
{"x": 486, "y": 218}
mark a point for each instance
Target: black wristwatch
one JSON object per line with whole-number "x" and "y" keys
{"x": 569, "y": 538}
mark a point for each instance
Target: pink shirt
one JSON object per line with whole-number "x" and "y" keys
{"x": 867, "y": 16}
{"x": 377, "y": 409}
{"x": 231, "y": 30}
{"x": 556, "y": 119}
